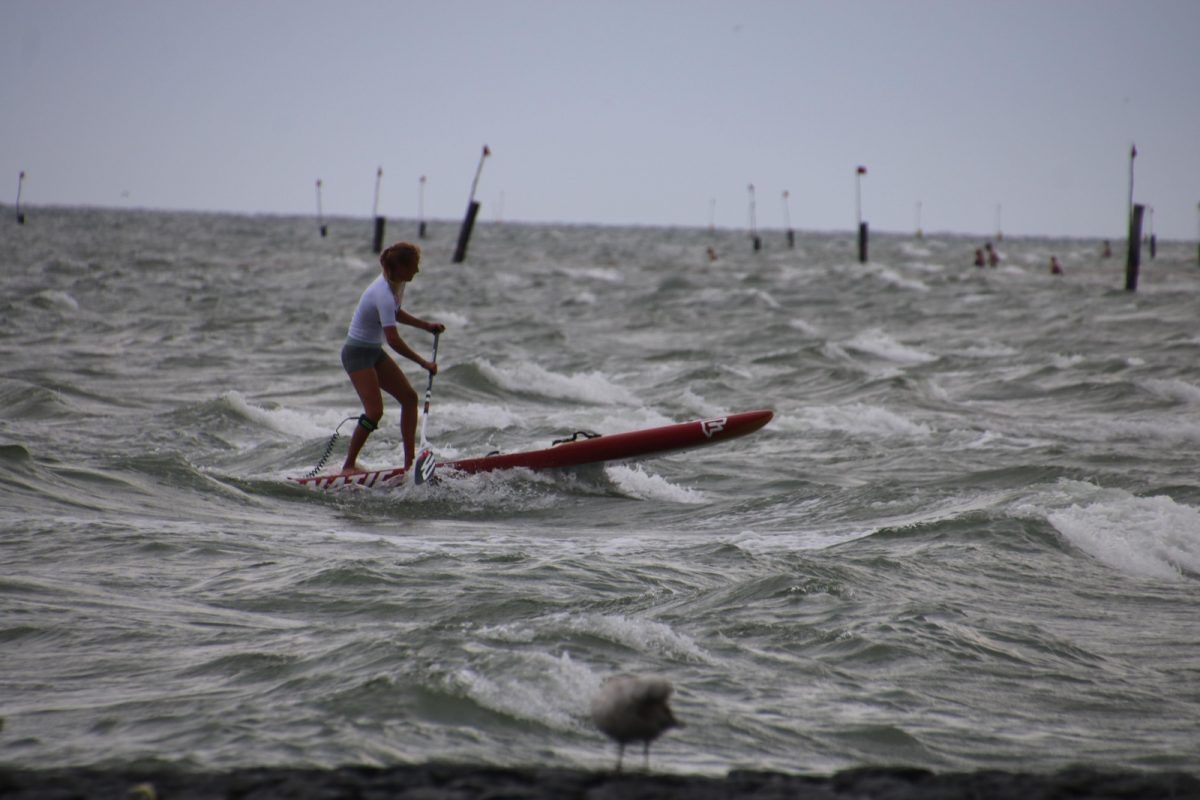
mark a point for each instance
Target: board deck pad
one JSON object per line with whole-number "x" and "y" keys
{"x": 644, "y": 443}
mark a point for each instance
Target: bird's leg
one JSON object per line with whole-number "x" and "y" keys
{"x": 646, "y": 753}
{"x": 620, "y": 754}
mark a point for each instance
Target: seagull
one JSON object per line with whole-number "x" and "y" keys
{"x": 632, "y": 708}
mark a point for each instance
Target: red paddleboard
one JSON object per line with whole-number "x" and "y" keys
{"x": 575, "y": 452}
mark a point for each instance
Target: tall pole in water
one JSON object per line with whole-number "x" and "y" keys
{"x": 1132, "y": 156}
{"x": 377, "y": 242}
{"x": 920, "y": 233}
{"x": 464, "y": 233}
{"x": 320, "y": 214}
{"x": 1133, "y": 252}
{"x": 712, "y": 215}
{"x": 858, "y": 195}
{"x": 421, "y": 207}
{"x": 999, "y": 226}
{"x": 787, "y": 220}
{"x": 862, "y": 226}
{"x": 20, "y": 213}
{"x": 754, "y": 237}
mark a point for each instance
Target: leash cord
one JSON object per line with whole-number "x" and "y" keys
{"x": 328, "y": 448}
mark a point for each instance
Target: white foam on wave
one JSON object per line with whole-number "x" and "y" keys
{"x": 453, "y": 320}
{"x": 555, "y": 690}
{"x": 877, "y": 343}
{"x": 857, "y": 419}
{"x": 987, "y": 351}
{"x": 452, "y": 416}
{"x": 57, "y": 299}
{"x": 893, "y": 278}
{"x": 607, "y": 275}
{"x": 283, "y": 420}
{"x": 588, "y": 387}
{"x": 1153, "y": 537}
{"x": 804, "y": 327}
{"x": 539, "y": 687}
{"x": 1173, "y": 389}
{"x": 636, "y": 482}
{"x": 636, "y": 633}
{"x": 500, "y": 491}
{"x": 764, "y": 296}
{"x": 699, "y": 405}
{"x": 758, "y": 543}
{"x": 1061, "y": 361}
{"x": 1181, "y": 430}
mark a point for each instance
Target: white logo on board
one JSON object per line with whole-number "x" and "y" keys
{"x": 711, "y": 426}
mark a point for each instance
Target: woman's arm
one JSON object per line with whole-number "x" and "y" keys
{"x": 416, "y": 322}
{"x": 401, "y": 347}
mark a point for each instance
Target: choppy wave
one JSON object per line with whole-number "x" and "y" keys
{"x": 530, "y": 378}
{"x": 1152, "y": 537}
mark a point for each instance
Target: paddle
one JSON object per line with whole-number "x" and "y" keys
{"x": 424, "y": 465}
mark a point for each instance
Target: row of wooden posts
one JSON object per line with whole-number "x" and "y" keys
{"x": 464, "y": 233}
{"x": 1133, "y": 251}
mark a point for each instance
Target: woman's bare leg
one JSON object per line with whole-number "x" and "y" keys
{"x": 366, "y": 383}
{"x": 392, "y": 381}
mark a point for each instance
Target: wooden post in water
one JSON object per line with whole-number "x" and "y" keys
{"x": 20, "y": 213}
{"x": 862, "y": 226}
{"x": 787, "y": 221}
{"x": 380, "y": 223}
{"x": 1133, "y": 258}
{"x": 464, "y": 232}
{"x": 421, "y": 208}
{"x": 755, "y": 239}
{"x": 1153, "y": 237}
{"x": 377, "y": 239}
{"x": 1133, "y": 252}
{"x": 320, "y": 214}
{"x": 920, "y": 233}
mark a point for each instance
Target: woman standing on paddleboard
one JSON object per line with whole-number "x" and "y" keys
{"x": 371, "y": 369}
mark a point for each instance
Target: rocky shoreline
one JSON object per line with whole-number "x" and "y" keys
{"x": 475, "y": 782}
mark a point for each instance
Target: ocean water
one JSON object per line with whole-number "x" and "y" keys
{"x": 970, "y": 538}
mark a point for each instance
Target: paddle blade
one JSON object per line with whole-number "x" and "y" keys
{"x": 424, "y": 467}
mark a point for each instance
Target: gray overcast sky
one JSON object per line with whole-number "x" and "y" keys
{"x": 614, "y": 111}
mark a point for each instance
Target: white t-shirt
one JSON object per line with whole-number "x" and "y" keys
{"x": 376, "y": 310}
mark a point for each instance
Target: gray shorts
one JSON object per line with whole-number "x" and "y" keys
{"x": 356, "y": 356}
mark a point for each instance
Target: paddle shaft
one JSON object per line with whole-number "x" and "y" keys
{"x": 428, "y": 392}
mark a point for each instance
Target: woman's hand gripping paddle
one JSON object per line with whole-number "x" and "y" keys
{"x": 424, "y": 465}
